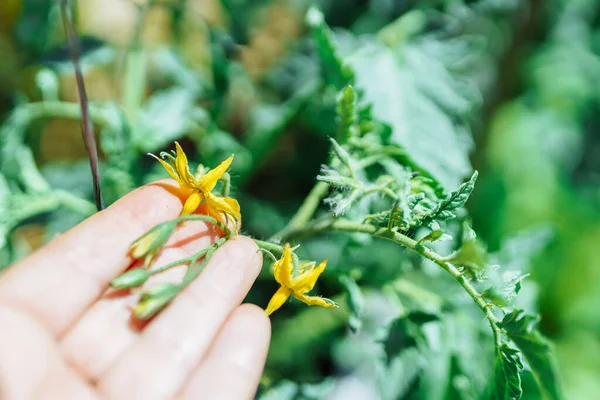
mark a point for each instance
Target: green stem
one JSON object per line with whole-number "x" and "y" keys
{"x": 305, "y": 212}
{"x": 179, "y": 262}
{"x": 72, "y": 202}
{"x": 272, "y": 247}
{"x": 384, "y": 233}
{"x": 192, "y": 272}
{"x": 205, "y": 218}
{"x": 61, "y": 109}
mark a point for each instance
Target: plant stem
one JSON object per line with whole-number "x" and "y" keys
{"x": 72, "y": 202}
{"x": 305, "y": 212}
{"x": 61, "y": 109}
{"x": 384, "y": 233}
{"x": 194, "y": 272}
{"x": 206, "y": 218}
{"x": 272, "y": 247}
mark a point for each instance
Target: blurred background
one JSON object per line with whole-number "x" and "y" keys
{"x": 521, "y": 84}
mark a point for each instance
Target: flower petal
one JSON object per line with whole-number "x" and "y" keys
{"x": 304, "y": 282}
{"x": 181, "y": 164}
{"x": 208, "y": 182}
{"x": 169, "y": 169}
{"x": 226, "y": 205}
{"x": 192, "y": 203}
{"x": 284, "y": 267}
{"x": 278, "y": 299}
{"x": 316, "y": 301}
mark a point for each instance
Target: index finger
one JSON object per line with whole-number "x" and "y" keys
{"x": 60, "y": 281}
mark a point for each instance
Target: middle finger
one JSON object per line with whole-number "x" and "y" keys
{"x": 159, "y": 362}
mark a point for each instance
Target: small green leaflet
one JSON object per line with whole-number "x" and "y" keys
{"x": 355, "y": 302}
{"x": 284, "y": 390}
{"x": 537, "y": 350}
{"x": 334, "y": 69}
{"x": 405, "y": 332}
{"x": 506, "y": 374}
{"x": 472, "y": 254}
{"x": 347, "y": 114}
{"x": 447, "y": 208}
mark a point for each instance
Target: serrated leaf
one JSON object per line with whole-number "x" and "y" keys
{"x": 347, "y": 114}
{"x": 164, "y": 118}
{"x": 511, "y": 285}
{"x": 447, "y": 208}
{"x": 405, "y": 332}
{"x": 507, "y": 381}
{"x": 402, "y": 84}
{"x": 355, "y": 302}
{"x": 335, "y": 70}
{"x": 538, "y": 351}
{"x": 472, "y": 254}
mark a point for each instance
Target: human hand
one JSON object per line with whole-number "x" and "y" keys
{"x": 63, "y": 335}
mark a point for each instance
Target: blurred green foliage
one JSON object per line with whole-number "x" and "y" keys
{"x": 443, "y": 87}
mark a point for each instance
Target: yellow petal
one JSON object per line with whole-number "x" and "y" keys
{"x": 169, "y": 169}
{"x": 192, "y": 203}
{"x": 278, "y": 299}
{"x": 316, "y": 301}
{"x": 308, "y": 278}
{"x": 208, "y": 182}
{"x": 226, "y": 205}
{"x": 181, "y": 164}
{"x": 142, "y": 246}
{"x": 284, "y": 267}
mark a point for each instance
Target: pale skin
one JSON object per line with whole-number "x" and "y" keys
{"x": 65, "y": 335}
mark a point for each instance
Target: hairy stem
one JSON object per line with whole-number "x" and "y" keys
{"x": 343, "y": 225}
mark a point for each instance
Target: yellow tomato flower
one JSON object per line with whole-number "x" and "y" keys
{"x": 201, "y": 186}
{"x": 297, "y": 285}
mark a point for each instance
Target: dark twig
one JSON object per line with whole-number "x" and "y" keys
{"x": 87, "y": 126}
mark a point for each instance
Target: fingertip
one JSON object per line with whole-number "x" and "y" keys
{"x": 254, "y": 317}
{"x": 248, "y": 249}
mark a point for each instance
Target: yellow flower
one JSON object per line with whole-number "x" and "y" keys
{"x": 297, "y": 285}
{"x": 201, "y": 186}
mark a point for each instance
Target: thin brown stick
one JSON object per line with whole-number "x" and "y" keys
{"x": 86, "y": 122}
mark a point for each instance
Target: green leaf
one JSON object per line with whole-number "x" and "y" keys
{"x": 334, "y": 69}
{"x": 164, "y": 118}
{"x": 472, "y": 254}
{"x": 447, "y": 208}
{"x": 538, "y": 351}
{"x": 284, "y": 390}
{"x": 355, "y": 302}
{"x": 459, "y": 385}
{"x": 501, "y": 293}
{"x": 403, "y": 85}
{"x": 347, "y": 114}
{"x": 405, "y": 332}
{"x": 507, "y": 381}
{"x": 396, "y": 379}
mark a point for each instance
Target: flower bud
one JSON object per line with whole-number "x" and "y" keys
{"x": 130, "y": 279}
{"x": 154, "y": 299}
{"x": 152, "y": 242}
